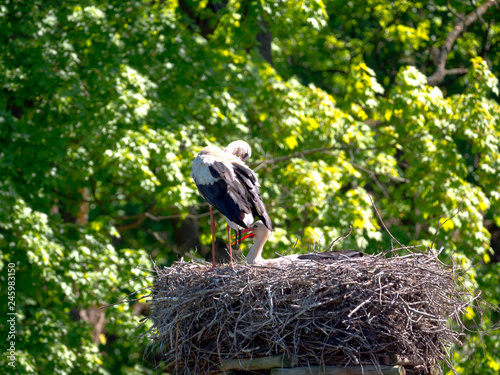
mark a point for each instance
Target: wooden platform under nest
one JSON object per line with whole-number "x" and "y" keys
{"x": 357, "y": 312}
{"x": 284, "y": 365}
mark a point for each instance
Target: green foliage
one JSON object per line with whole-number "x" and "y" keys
{"x": 105, "y": 104}
{"x": 60, "y": 266}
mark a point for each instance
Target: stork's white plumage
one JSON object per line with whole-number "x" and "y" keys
{"x": 230, "y": 186}
{"x": 260, "y": 234}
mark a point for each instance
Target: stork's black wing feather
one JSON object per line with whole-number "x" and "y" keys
{"x": 235, "y": 190}
{"x": 248, "y": 178}
{"x": 242, "y": 187}
{"x": 216, "y": 194}
{"x": 339, "y": 254}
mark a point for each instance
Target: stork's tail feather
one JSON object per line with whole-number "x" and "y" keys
{"x": 339, "y": 254}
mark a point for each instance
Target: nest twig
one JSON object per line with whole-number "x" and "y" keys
{"x": 347, "y": 311}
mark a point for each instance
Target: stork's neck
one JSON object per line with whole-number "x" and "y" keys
{"x": 255, "y": 252}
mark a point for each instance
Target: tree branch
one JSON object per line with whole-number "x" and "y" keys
{"x": 259, "y": 164}
{"x": 486, "y": 44}
{"x": 175, "y": 216}
{"x": 135, "y": 224}
{"x": 148, "y": 215}
{"x": 294, "y": 155}
{"x": 460, "y": 26}
{"x": 140, "y": 218}
{"x": 478, "y": 15}
{"x": 457, "y": 71}
{"x": 374, "y": 174}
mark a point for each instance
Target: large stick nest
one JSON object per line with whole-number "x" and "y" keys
{"x": 339, "y": 312}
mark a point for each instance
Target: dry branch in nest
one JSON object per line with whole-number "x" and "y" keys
{"x": 357, "y": 311}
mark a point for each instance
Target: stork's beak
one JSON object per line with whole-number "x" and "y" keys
{"x": 242, "y": 232}
{"x": 250, "y": 235}
{"x": 246, "y": 230}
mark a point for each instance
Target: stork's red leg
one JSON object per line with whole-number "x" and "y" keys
{"x": 212, "y": 227}
{"x": 230, "y": 248}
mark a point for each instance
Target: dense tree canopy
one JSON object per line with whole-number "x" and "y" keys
{"x": 105, "y": 104}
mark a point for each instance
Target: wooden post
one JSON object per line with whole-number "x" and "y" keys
{"x": 259, "y": 363}
{"x": 337, "y": 370}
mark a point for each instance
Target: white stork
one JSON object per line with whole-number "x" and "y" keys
{"x": 229, "y": 185}
{"x": 260, "y": 234}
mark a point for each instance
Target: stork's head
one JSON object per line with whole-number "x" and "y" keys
{"x": 241, "y": 149}
{"x": 258, "y": 231}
